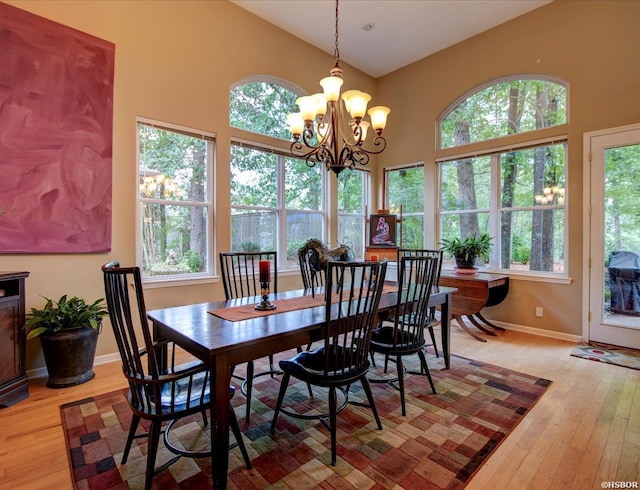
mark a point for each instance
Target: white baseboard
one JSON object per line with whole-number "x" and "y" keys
{"x": 42, "y": 372}
{"x": 539, "y": 331}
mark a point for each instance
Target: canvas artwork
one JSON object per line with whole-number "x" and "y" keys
{"x": 382, "y": 230}
{"x": 56, "y": 118}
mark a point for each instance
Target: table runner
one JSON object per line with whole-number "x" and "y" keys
{"x": 246, "y": 312}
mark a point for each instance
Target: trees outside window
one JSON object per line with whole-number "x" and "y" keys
{"x": 517, "y": 196}
{"x": 353, "y": 196}
{"x": 174, "y": 201}
{"x": 405, "y": 188}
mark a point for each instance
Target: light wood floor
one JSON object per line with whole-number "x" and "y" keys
{"x": 584, "y": 430}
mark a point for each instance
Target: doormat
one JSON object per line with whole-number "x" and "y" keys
{"x": 441, "y": 443}
{"x": 610, "y": 354}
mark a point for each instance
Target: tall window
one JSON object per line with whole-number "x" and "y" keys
{"x": 353, "y": 196}
{"x": 174, "y": 201}
{"x": 517, "y": 195}
{"x": 277, "y": 202}
{"x": 405, "y": 191}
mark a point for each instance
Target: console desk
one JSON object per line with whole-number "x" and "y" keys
{"x": 475, "y": 291}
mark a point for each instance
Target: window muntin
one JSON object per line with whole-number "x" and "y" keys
{"x": 353, "y": 196}
{"x": 174, "y": 201}
{"x": 519, "y": 200}
{"x": 405, "y": 190}
{"x": 504, "y": 108}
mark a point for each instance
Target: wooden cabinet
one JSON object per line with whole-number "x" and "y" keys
{"x": 14, "y": 384}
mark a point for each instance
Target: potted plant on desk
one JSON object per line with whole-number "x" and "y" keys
{"x": 68, "y": 330}
{"x": 466, "y": 251}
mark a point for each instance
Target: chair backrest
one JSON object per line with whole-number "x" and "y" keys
{"x": 310, "y": 277}
{"x": 423, "y": 252}
{"x": 241, "y": 274}
{"x": 417, "y": 276}
{"x": 353, "y": 293}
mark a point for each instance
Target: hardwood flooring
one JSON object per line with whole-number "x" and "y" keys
{"x": 585, "y": 430}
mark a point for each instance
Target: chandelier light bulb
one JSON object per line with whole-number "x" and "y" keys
{"x": 296, "y": 124}
{"x": 378, "y": 115}
{"x": 356, "y": 103}
{"x": 331, "y": 87}
{"x": 308, "y": 107}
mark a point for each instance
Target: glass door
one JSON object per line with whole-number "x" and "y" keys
{"x": 614, "y": 236}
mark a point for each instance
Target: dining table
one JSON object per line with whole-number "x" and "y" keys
{"x": 227, "y": 333}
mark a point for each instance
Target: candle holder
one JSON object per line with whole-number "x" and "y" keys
{"x": 265, "y": 304}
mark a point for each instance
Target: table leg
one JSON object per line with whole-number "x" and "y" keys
{"x": 481, "y": 327}
{"x": 220, "y": 378}
{"x": 497, "y": 327}
{"x": 466, "y": 328}
{"x": 445, "y": 330}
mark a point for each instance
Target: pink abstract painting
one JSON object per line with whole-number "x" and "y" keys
{"x": 56, "y": 126}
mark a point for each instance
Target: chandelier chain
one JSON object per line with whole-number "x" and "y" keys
{"x": 336, "y": 52}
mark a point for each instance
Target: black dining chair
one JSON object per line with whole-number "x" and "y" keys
{"x": 431, "y": 320}
{"x": 159, "y": 390}
{"x": 405, "y": 335}
{"x": 342, "y": 359}
{"x": 312, "y": 276}
{"x": 241, "y": 278}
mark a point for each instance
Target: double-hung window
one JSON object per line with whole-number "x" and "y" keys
{"x": 405, "y": 196}
{"x": 277, "y": 201}
{"x": 513, "y": 189}
{"x": 353, "y": 197}
{"x": 175, "y": 202}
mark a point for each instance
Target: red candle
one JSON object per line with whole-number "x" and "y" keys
{"x": 374, "y": 257}
{"x": 265, "y": 271}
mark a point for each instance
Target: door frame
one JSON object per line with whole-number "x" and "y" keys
{"x": 586, "y": 220}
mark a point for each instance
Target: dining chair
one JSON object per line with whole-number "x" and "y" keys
{"x": 160, "y": 391}
{"x": 311, "y": 277}
{"x": 405, "y": 335}
{"x": 241, "y": 278}
{"x": 431, "y": 320}
{"x": 351, "y": 309}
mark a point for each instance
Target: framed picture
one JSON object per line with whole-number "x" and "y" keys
{"x": 382, "y": 231}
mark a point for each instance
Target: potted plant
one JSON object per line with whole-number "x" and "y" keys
{"x": 466, "y": 251}
{"x": 68, "y": 330}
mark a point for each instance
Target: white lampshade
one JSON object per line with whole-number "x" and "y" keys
{"x": 356, "y": 102}
{"x": 331, "y": 87}
{"x": 308, "y": 107}
{"x": 364, "y": 125}
{"x": 378, "y": 115}
{"x": 296, "y": 123}
{"x": 321, "y": 104}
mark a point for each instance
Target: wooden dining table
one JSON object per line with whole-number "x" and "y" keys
{"x": 220, "y": 334}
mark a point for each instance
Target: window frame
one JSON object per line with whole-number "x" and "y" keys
{"x": 401, "y": 212}
{"x": 206, "y": 276}
{"x": 365, "y": 199}
{"x": 494, "y": 210}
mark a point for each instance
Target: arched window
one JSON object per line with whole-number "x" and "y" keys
{"x": 504, "y": 108}
{"x": 513, "y": 188}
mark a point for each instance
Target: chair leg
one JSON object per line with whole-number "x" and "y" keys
{"x": 135, "y": 420}
{"x": 433, "y": 341}
{"x": 154, "y": 439}
{"x": 235, "y": 428}
{"x": 401, "y": 383}
{"x": 424, "y": 366}
{"x": 367, "y": 390}
{"x": 272, "y": 368}
{"x": 333, "y": 419}
{"x": 283, "y": 389}
{"x": 249, "y": 390}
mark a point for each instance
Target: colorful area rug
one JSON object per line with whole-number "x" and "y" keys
{"x": 440, "y": 443}
{"x": 609, "y": 354}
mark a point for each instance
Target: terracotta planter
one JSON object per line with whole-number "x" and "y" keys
{"x": 69, "y": 356}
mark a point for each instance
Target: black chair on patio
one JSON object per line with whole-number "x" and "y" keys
{"x": 406, "y": 334}
{"x": 241, "y": 278}
{"x": 351, "y": 312}
{"x": 431, "y": 320}
{"x": 159, "y": 391}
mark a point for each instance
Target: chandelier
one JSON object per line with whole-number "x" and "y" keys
{"x": 332, "y": 133}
